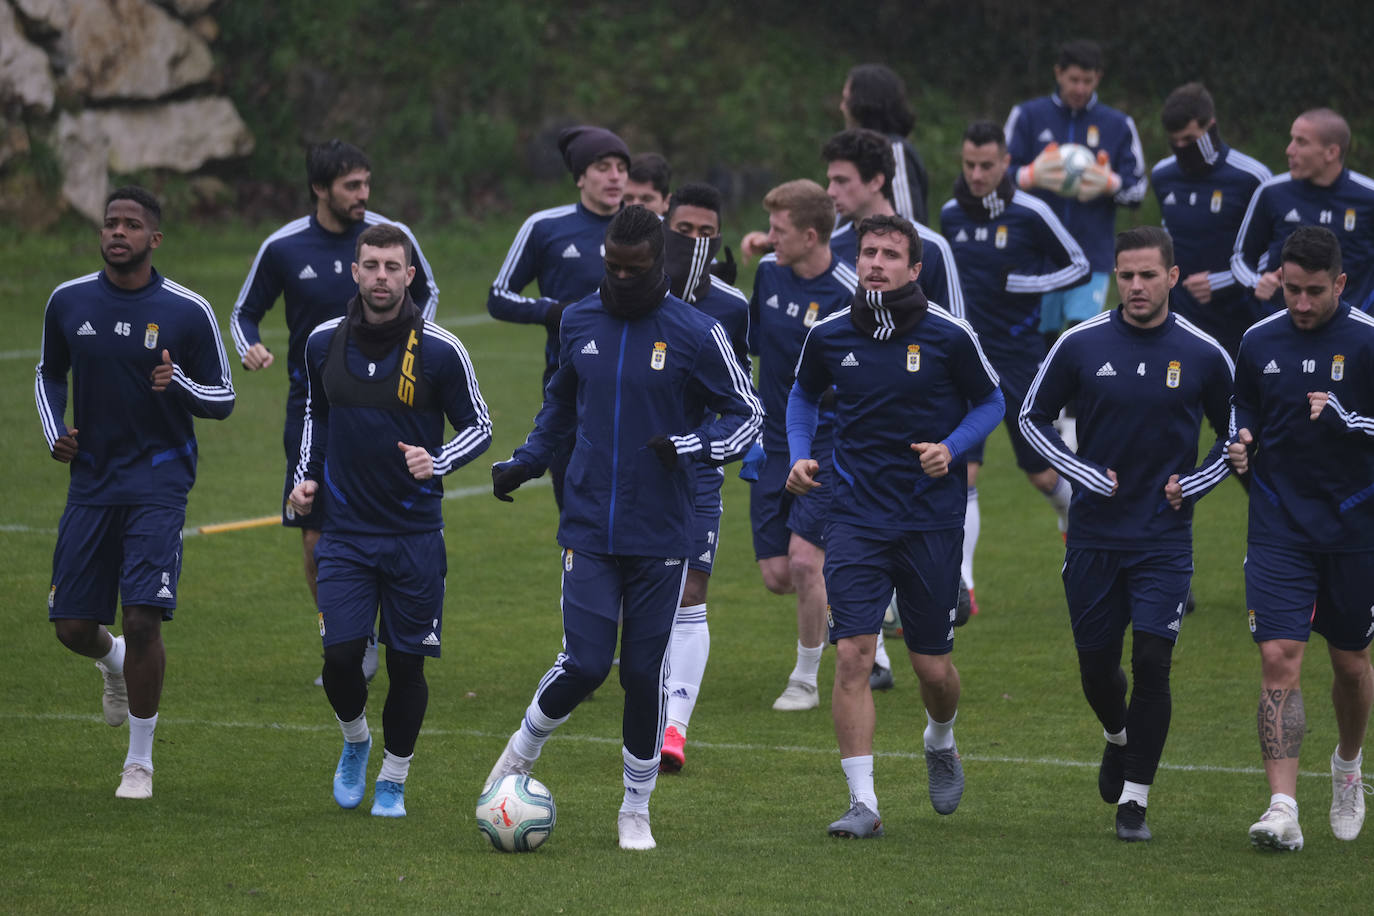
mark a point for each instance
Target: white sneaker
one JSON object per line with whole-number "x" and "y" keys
{"x": 797, "y": 696}
{"x": 634, "y": 830}
{"x": 1277, "y": 828}
{"x": 1347, "y": 804}
{"x": 509, "y": 762}
{"x": 115, "y": 699}
{"x": 135, "y": 782}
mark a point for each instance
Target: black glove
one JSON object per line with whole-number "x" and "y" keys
{"x": 665, "y": 450}
{"x": 727, "y": 269}
{"x": 506, "y": 477}
{"x": 554, "y": 316}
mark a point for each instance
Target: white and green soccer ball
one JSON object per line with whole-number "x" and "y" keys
{"x": 517, "y": 813}
{"x": 1077, "y": 158}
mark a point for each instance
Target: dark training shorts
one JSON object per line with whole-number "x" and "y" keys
{"x": 106, "y": 555}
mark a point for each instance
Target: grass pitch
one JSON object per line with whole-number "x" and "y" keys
{"x": 242, "y": 819}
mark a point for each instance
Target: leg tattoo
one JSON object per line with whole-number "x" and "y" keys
{"x": 1281, "y": 723}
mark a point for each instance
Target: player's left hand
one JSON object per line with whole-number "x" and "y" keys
{"x": 802, "y": 478}
{"x": 664, "y": 449}
{"x": 162, "y": 374}
{"x": 65, "y": 448}
{"x": 1098, "y": 179}
{"x": 1316, "y": 400}
{"x": 419, "y": 462}
{"x": 1173, "y": 492}
{"x": 935, "y": 457}
{"x": 1199, "y": 286}
{"x": 1238, "y": 451}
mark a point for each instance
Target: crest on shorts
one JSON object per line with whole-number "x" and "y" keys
{"x": 1171, "y": 378}
{"x": 1337, "y": 367}
{"x": 1216, "y": 201}
{"x": 913, "y": 358}
{"x": 52, "y": 596}
{"x": 660, "y": 356}
{"x": 321, "y": 623}
{"x": 567, "y": 561}
{"x": 1000, "y": 239}
{"x": 150, "y": 336}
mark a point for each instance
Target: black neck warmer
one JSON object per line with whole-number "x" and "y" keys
{"x": 1197, "y": 158}
{"x": 881, "y": 314}
{"x": 984, "y": 208}
{"x": 634, "y": 297}
{"x": 687, "y": 262}
{"x": 377, "y": 340}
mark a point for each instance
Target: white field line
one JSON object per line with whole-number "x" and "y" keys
{"x": 333, "y": 729}
{"x": 194, "y": 530}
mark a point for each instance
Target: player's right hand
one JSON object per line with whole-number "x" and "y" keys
{"x": 506, "y": 478}
{"x": 1047, "y": 171}
{"x": 302, "y": 498}
{"x": 755, "y": 244}
{"x": 65, "y": 448}
{"x": 1268, "y": 285}
{"x": 1238, "y": 451}
{"x": 802, "y": 478}
{"x": 1199, "y": 286}
{"x": 257, "y": 357}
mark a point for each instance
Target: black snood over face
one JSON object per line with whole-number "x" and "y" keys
{"x": 687, "y": 261}
{"x": 634, "y": 297}
{"x": 1198, "y": 157}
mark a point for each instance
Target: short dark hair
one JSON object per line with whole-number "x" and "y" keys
{"x": 695, "y": 194}
{"x": 1080, "y": 52}
{"x": 1186, "y": 104}
{"x": 981, "y": 133}
{"x": 1313, "y": 248}
{"x": 877, "y": 100}
{"x": 383, "y": 235}
{"x": 143, "y": 197}
{"x": 652, "y": 169}
{"x": 324, "y": 162}
{"x": 636, "y": 224}
{"x": 1147, "y": 237}
{"x": 885, "y": 224}
{"x": 868, "y": 150}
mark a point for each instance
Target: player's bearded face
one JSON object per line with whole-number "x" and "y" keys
{"x": 1311, "y": 296}
{"x": 382, "y": 275}
{"x": 347, "y": 196}
{"x": 127, "y": 238}
{"x": 883, "y": 261}
{"x": 1144, "y": 283}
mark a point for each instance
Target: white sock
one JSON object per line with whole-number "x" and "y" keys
{"x": 114, "y": 659}
{"x": 808, "y": 664}
{"x": 356, "y": 731}
{"x": 1286, "y": 799}
{"x": 1134, "y": 791}
{"x": 395, "y": 769}
{"x": 687, "y": 653}
{"x": 973, "y": 523}
{"x": 1341, "y": 765}
{"x": 1119, "y": 739}
{"x": 141, "y": 740}
{"x": 534, "y": 730}
{"x": 1059, "y": 500}
{"x": 880, "y": 654}
{"x": 858, "y": 772}
{"x": 640, "y": 778}
{"x": 939, "y": 735}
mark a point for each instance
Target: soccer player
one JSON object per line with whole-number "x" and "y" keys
{"x": 306, "y": 264}
{"x": 1072, "y": 114}
{"x": 1143, "y": 379}
{"x": 145, "y": 357}
{"x": 648, "y": 182}
{"x": 797, "y": 285}
{"x": 560, "y": 248}
{"x": 904, "y": 374}
{"x": 1317, "y": 190}
{"x": 874, "y": 97}
{"x": 1304, "y": 418}
{"x": 1010, "y": 250}
{"x": 381, "y": 380}
{"x": 647, "y": 387}
{"x": 691, "y": 238}
{"x": 1204, "y": 189}
{"x": 859, "y": 174}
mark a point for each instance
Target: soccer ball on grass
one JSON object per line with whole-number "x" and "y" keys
{"x": 516, "y": 814}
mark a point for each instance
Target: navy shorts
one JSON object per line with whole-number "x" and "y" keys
{"x": 600, "y": 589}
{"x": 863, "y": 567}
{"x": 106, "y": 555}
{"x": 1015, "y": 380}
{"x": 1108, "y": 589}
{"x": 706, "y": 512}
{"x": 775, "y": 514}
{"x": 291, "y": 444}
{"x": 1292, "y": 592}
{"x": 401, "y": 574}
